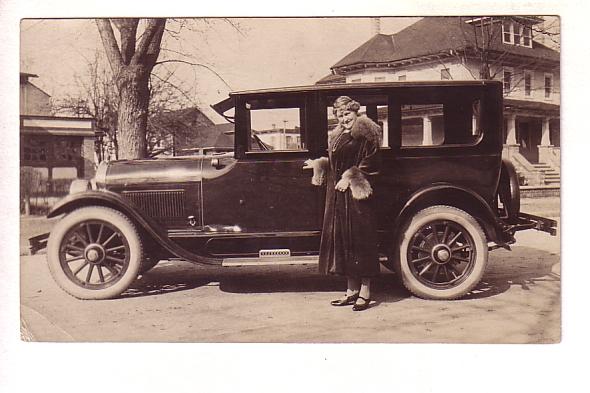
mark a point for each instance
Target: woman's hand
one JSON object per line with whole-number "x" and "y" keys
{"x": 342, "y": 185}
{"x": 308, "y": 164}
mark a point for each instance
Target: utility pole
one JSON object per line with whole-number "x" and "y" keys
{"x": 284, "y": 142}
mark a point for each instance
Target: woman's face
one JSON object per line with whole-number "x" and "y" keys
{"x": 348, "y": 119}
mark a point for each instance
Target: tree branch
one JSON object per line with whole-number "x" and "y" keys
{"x": 128, "y": 30}
{"x": 234, "y": 25}
{"x": 154, "y": 29}
{"x": 105, "y": 29}
{"x": 196, "y": 65}
{"x": 166, "y": 81}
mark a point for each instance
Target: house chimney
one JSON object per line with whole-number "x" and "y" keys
{"x": 376, "y": 26}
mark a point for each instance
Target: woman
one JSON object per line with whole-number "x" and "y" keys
{"x": 349, "y": 234}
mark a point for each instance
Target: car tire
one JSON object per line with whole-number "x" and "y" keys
{"x": 443, "y": 253}
{"x": 509, "y": 191}
{"x": 94, "y": 253}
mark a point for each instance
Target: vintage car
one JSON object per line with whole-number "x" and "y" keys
{"x": 446, "y": 196}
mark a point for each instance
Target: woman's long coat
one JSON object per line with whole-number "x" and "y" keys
{"x": 349, "y": 234}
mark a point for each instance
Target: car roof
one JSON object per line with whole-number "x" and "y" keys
{"x": 365, "y": 85}
{"x": 226, "y": 104}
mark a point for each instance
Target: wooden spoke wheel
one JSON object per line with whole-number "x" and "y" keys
{"x": 443, "y": 253}
{"x": 94, "y": 253}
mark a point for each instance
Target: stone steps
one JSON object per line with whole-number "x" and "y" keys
{"x": 551, "y": 175}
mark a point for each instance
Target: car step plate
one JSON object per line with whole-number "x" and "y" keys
{"x": 268, "y": 260}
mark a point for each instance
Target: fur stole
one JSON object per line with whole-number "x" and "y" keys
{"x": 366, "y": 128}
{"x": 358, "y": 183}
{"x": 320, "y": 168}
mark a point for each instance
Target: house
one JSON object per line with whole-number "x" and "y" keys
{"x": 280, "y": 138}
{"x": 185, "y": 131}
{"x": 57, "y": 148}
{"x": 467, "y": 48}
{"x": 216, "y": 138}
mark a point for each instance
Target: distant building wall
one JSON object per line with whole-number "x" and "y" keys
{"x": 34, "y": 101}
{"x": 424, "y": 71}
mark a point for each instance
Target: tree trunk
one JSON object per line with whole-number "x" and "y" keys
{"x": 132, "y": 84}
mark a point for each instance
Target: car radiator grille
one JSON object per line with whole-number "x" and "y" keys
{"x": 159, "y": 204}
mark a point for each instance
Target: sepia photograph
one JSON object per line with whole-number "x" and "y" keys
{"x": 291, "y": 180}
{"x": 293, "y": 197}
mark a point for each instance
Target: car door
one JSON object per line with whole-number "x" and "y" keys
{"x": 267, "y": 195}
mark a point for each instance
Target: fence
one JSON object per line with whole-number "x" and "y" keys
{"x": 37, "y": 194}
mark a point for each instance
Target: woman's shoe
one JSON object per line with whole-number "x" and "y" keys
{"x": 361, "y": 306}
{"x": 345, "y": 301}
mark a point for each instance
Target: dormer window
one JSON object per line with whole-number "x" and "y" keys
{"x": 527, "y": 37}
{"x": 507, "y": 32}
{"x": 514, "y": 33}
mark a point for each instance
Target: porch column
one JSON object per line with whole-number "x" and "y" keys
{"x": 511, "y": 132}
{"x": 426, "y": 131}
{"x": 545, "y": 138}
{"x": 547, "y": 153}
{"x": 385, "y": 127}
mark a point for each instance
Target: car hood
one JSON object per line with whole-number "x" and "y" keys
{"x": 154, "y": 171}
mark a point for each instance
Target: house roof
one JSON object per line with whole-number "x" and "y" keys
{"x": 330, "y": 79}
{"x": 433, "y": 35}
{"x": 217, "y": 135}
{"x": 56, "y": 125}
{"x": 28, "y": 75}
{"x": 535, "y": 106}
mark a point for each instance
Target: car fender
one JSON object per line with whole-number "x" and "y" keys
{"x": 462, "y": 198}
{"x": 150, "y": 226}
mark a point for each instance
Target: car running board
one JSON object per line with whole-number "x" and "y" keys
{"x": 266, "y": 261}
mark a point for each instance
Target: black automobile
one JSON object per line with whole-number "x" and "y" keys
{"x": 445, "y": 194}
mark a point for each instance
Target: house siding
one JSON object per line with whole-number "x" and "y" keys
{"x": 34, "y": 101}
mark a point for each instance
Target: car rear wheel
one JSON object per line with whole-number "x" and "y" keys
{"x": 443, "y": 253}
{"x": 94, "y": 253}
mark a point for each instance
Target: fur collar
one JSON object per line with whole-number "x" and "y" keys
{"x": 366, "y": 128}
{"x": 363, "y": 127}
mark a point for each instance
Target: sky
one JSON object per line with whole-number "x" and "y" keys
{"x": 247, "y": 53}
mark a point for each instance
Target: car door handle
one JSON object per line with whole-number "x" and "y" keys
{"x": 216, "y": 163}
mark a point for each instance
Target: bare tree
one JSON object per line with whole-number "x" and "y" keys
{"x": 139, "y": 107}
{"x": 132, "y": 59}
{"x": 97, "y": 98}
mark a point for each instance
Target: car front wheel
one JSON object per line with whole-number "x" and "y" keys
{"x": 443, "y": 253}
{"x": 94, "y": 253}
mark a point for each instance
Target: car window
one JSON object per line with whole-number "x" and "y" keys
{"x": 436, "y": 124}
{"x": 276, "y": 125}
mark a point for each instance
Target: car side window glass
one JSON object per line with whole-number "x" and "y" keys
{"x": 275, "y": 128}
{"x": 422, "y": 125}
{"x": 438, "y": 124}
